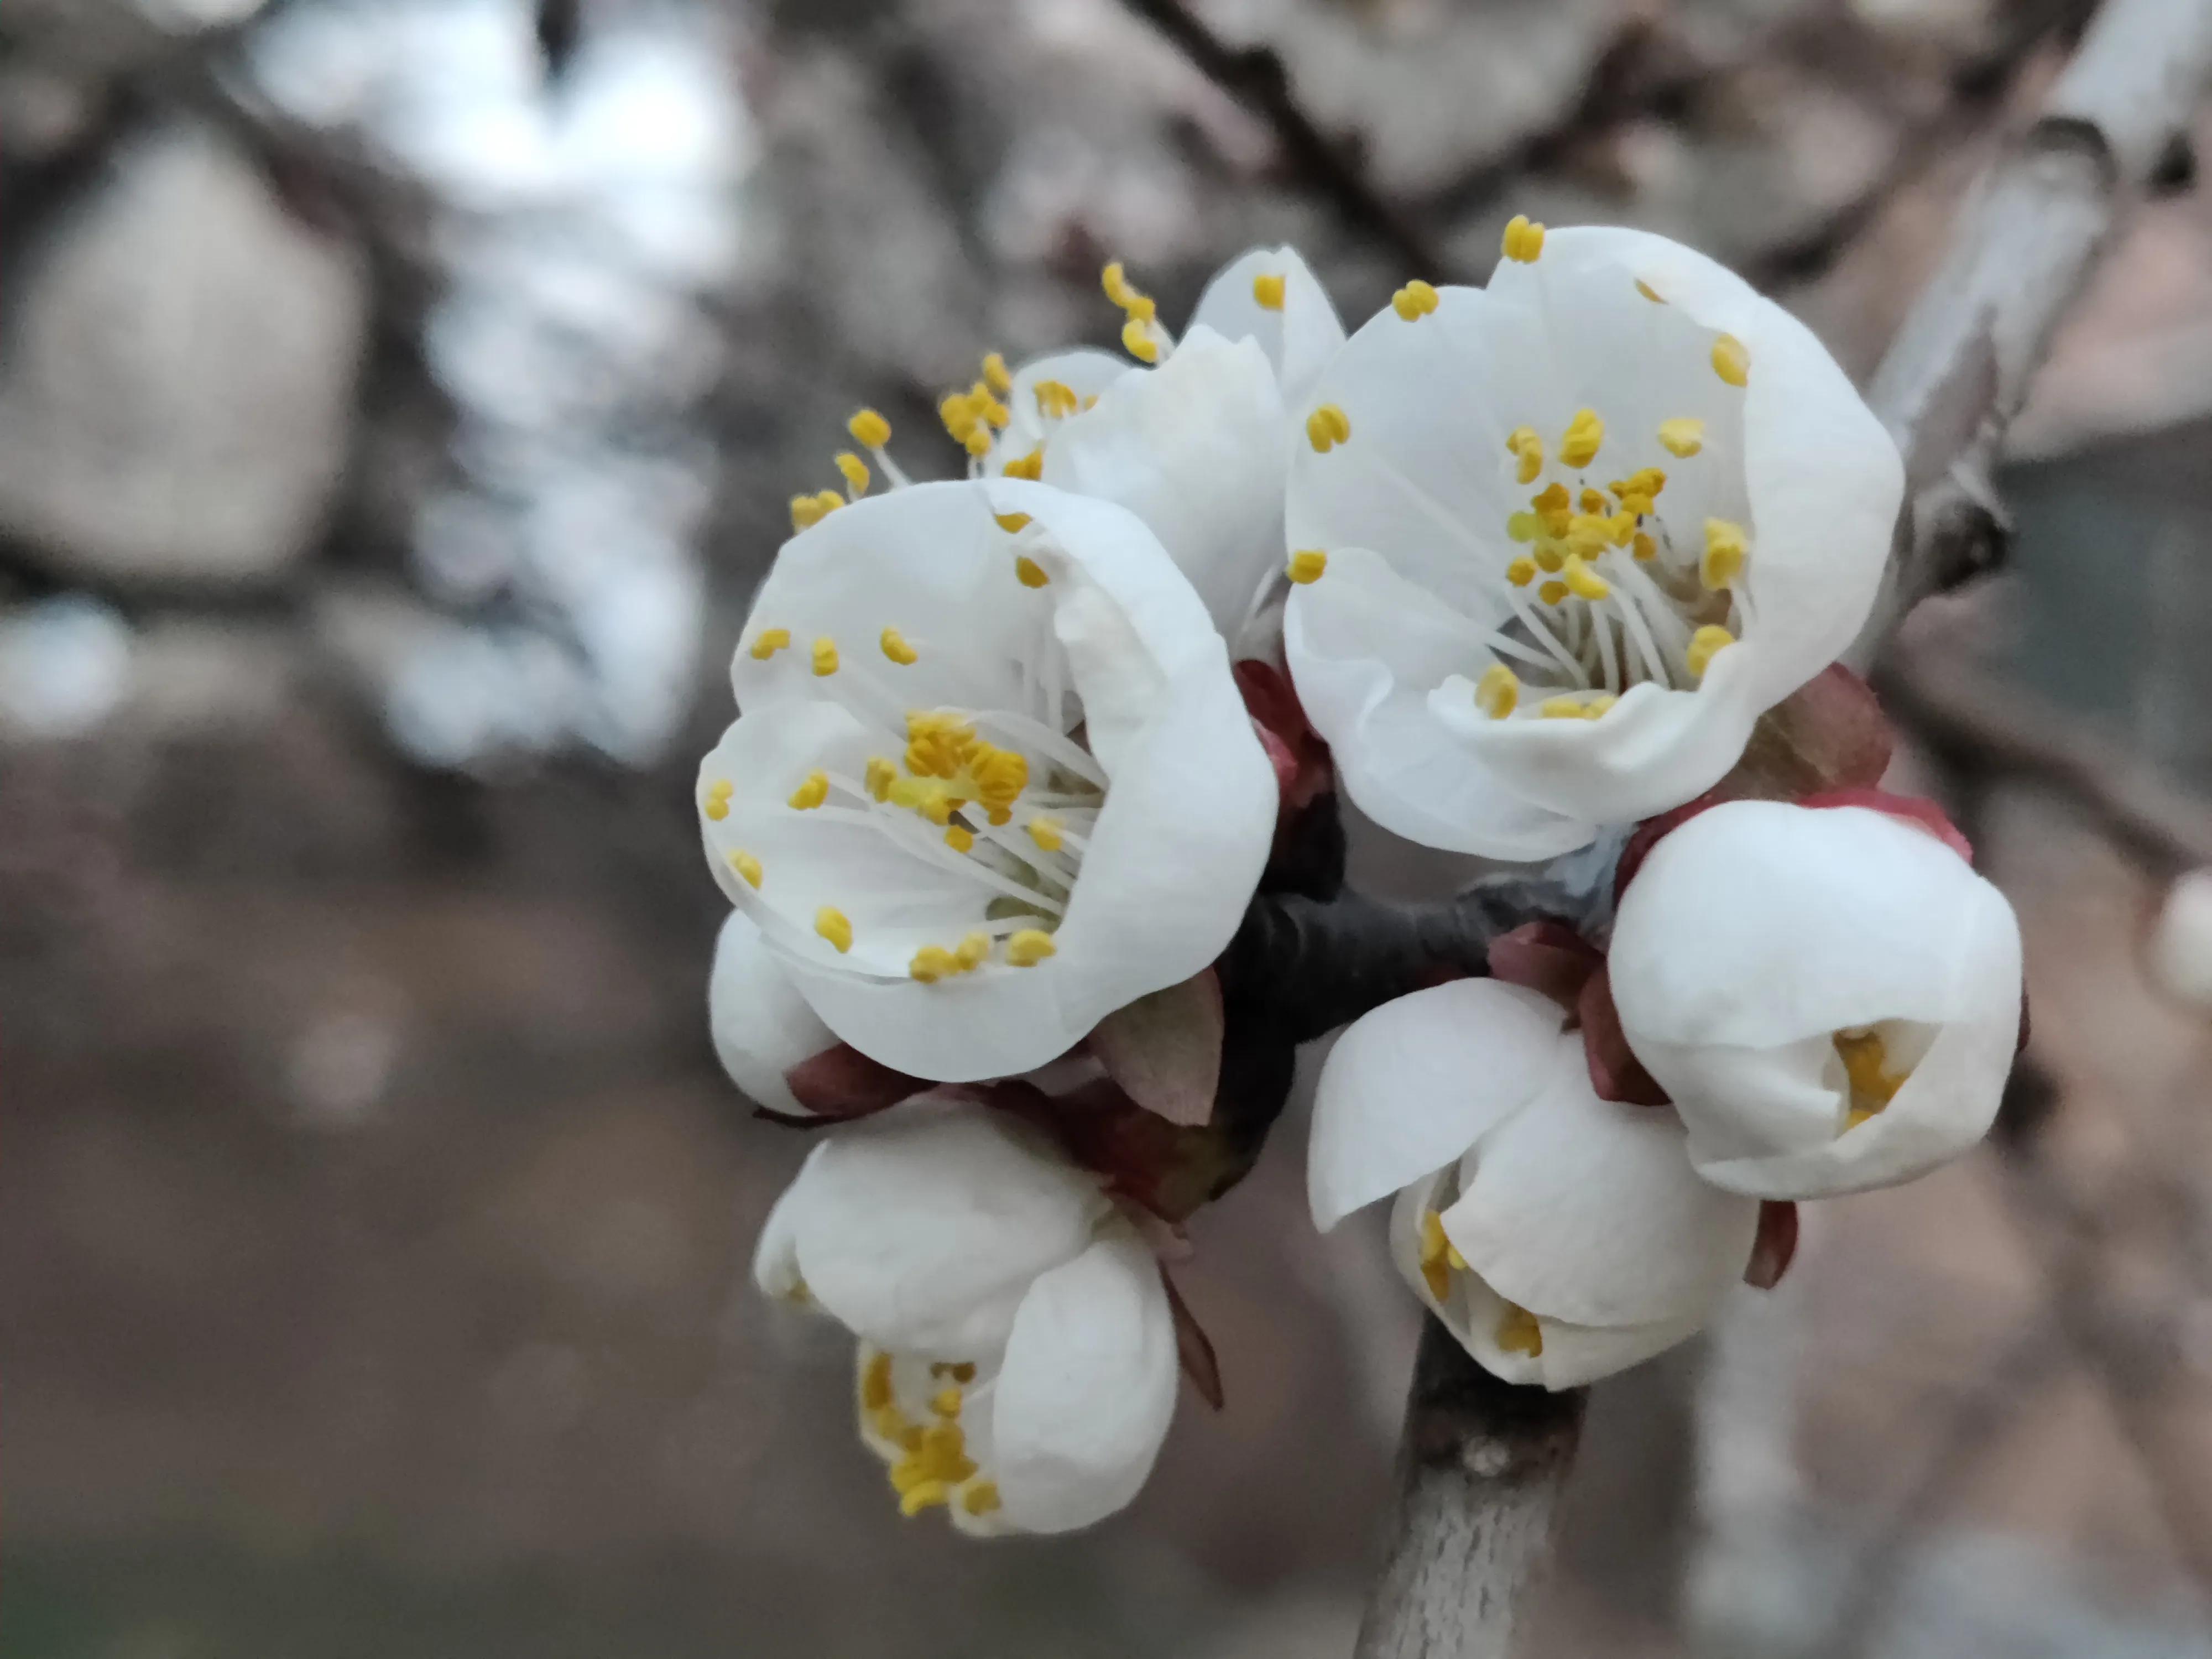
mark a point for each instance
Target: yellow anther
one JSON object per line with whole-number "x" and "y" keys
{"x": 855, "y": 471}
{"x": 1030, "y": 466}
{"x": 1307, "y": 564}
{"x": 1518, "y": 1332}
{"x": 1598, "y": 707}
{"x": 1046, "y": 833}
{"x": 747, "y": 867}
{"x": 715, "y": 806}
{"x": 897, "y": 648}
{"x": 825, "y": 657}
{"x": 876, "y": 1382}
{"x": 1000, "y": 775}
{"x": 1438, "y": 1256}
{"x": 1645, "y": 480}
{"x": 1416, "y": 300}
{"x": 1550, "y": 560}
{"x": 768, "y": 641}
{"x": 1649, "y": 292}
{"x": 1523, "y": 240}
{"x": 960, "y": 839}
{"x": 1268, "y": 293}
{"x": 1643, "y": 546}
{"x": 1522, "y": 526}
{"x": 807, "y": 511}
{"x": 869, "y": 430}
{"x": 813, "y": 790}
{"x": 1595, "y": 502}
{"x": 1116, "y": 282}
{"x": 1029, "y": 572}
{"x": 1623, "y": 529}
{"x": 1137, "y": 340}
{"x": 1056, "y": 399}
{"x": 1328, "y": 427}
{"x": 1498, "y": 693}
{"x": 1705, "y": 644}
{"x": 1524, "y": 444}
{"x": 1560, "y": 708}
{"x": 881, "y": 775}
{"x": 1726, "y": 550}
{"x": 1731, "y": 360}
{"x": 1636, "y": 506}
{"x": 980, "y": 1497}
{"x": 946, "y": 1402}
{"x": 958, "y": 412}
{"x": 1552, "y": 498}
{"x": 1551, "y": 593}
{"x": 977, "y": 443}
{"x": 1587, "y": 533}
{"x": 995, "y": 375}
{"x": 1866, "y": 1063}
{"x": 923, "y": 1495}
{"x": 1521, "y": 572}
{"x": 1011, "y": 522}
{"x": 1683, "y": 435}
{"x": 931, "y": 963}
{"x": 829, "y": 921}
{"x": 1029, "y": 947}
{"x": 1584, "y": 434}
{"x": 1585, "y": 583}
{"x": 1000, "y": 816}
{"x": 971, "y": 953}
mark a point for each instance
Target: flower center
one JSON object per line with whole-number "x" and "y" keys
{"x": 1866, "y": 1060}
{"x": 909, "y": 1416}
{"x": 1518, "y": 1330}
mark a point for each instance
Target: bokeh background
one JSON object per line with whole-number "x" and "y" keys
{"x": 399, "y": 399}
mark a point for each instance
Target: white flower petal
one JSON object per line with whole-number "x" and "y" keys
{"x": 921, "y": 1229}
{"x": 775, "y": 1257}
{"x": 1364, "y": 647}
{"x": 1197, "y": 449}
{"x": 762, "y": 1026}
{"x": 1411, "y": 1086}
{"x": 1087, "y": 1388}
{"x": 1085, "y": 372}
{"x": 1587, "y": 1211}
{"x": 1299, "y": 337}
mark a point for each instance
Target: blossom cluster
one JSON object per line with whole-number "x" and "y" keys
{"x": 1560, "y": 561}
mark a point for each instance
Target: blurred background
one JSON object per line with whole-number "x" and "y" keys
{"x": 398, "y": 400}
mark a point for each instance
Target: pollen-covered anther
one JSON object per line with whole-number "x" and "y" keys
{"x": 1726, "y": 550}
{"x": 1865, "y": 1065}
{"x": 1307, "y": 564}
{"x": 807, "y": 511}
{"x": 971, "y": 953}
{"x": 1644, "y": 547}
{"x": 1268, "y": 292}
{"x": 825, "y": 657}
{"x": 1029, "y": 466}
{"x": 1414, "y": 301}
{"x": 768, "y": 641}
{"x": 1683, "y": 435}
{"x": 1029, "y": 572}
{"x": 931, "y": 963}
{"x": 1650, "y": 292}
{"x": 1562, "y": 708}
{"x": 1523, "y": 444}
{"x": 831, "y": 923}
{"x": 1046, "y": 833}
{"x": 1552, "y": 593}
{"x": 854, "y": 471}
{"x": 881, "y": 775}
{"x": 869, "y": 430}
{"x": 1705, "y": 644}
{"x": 1522, "y": 571}
{"x": 1137, "y": 340}
{"x": 1584, "y": 434}
{"x": 1732, "y": 359}
{"x": 995, "y": 375}
{"x": 1056, "y": 399}
{"x": 1439, "y": 1256}
{"x": 1498, "y": 693}
{"x": 1585, "y": 583}
{"x": 746, "y": 866}
{"x": 1328, "y": 427}
{"x": 813, "y": 790}
{"x": 1030, "y": 947}
{"x": 1518, "y": 1332}
{"x": 897, "y": 648}
{"x": 960, "y": 838}
{"x": 1523, "y": 240}
{"x": 717, "y": 803}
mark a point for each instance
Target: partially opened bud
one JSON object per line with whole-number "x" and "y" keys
{"x": 762, "y": 1026}
{"x": 2181, "y": 941}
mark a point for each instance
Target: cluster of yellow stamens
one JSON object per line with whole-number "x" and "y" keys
{"x": 1866, "y": 1064}
{"x": 933, "y": 1466}
{"x": 1518, "y": 1331}
{"x": 1140, "y": 330}
{"x": 975, "y": 417}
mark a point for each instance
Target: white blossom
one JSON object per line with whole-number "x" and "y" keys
{"x": 1559, "y": 1236}
{"x": 991, "y": 778}
{"x": 1830, "y": 996}
{"x": 1016, "y": 1356}
{"x": 1566, "y": 536}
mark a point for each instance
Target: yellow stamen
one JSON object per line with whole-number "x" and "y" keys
{"x": 1866, "y": 1063}
{"x": 1645, "y": 547}
{"x": 1523, "y": 240}
{"x": 924, "y": 1495}
{"x": 1116, "y": 282}
{"x": 1551, "y": 593}
{"x": 830, "y": 923}
{"x": 807, "y": 511}
{"x": 1561, "y": 708}
{"x": 1046, "y": 833}
{"x": 1030, "y": 466}
{"x": 1585, "y": 583}
{"x": 932, "y": 962}
{"x": 876, "y": 1382}
{"x": 897, "y": 648}
{"x": 1328, "y": 427}
{"x": 716, "y": 805}
{"x": 1584, "y": 434}
{"x": 1011, "y": 522}
{"x": 869, "y": 430}
{"x": 768, "y": 641}
{"x": 977, "y": 443}
{"x": 1705, "y": 644}
{"x": 1029, "y": 947}
{"x": 946, "y": 1402}
{"x": 1519, "y": 1332}
{"x": 1522, "y": 526}
{"x": 1521, "y": 572}
{"x": 1683, "y": 435}
{"x": 1523, "y": 444}
{"x": 1731, "y": 360}
{"x": 855, "y": 471}
{"x": 1726, "y": 550}
{"x": 1268, "y": 293}
{"x": 1649, "y": 292}
{"x": 747, "y": 867}
{"x": 1029, "y": 572}
{"x": 1137, "y": 340}
{"x": 813, "y": 790}
{"x": 1307, "y": 564}
{"x": 825, "y": 657}
{"x": 1055, "y": 398}
{"x": 980, "y": 1497}
{"x": 1498, "y": 693}
{"x": 995, "y": 375}
{"x": 1550, "y": 560}
{"x": 971, "y": 953}
{"x": 1598, "y": 707}
{"x": 1414, "y": 301}
{"x": 960, "y": 839}
{"x": 881, "y": 775}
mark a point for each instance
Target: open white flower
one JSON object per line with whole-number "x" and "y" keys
{"x": 1832, "y": 995}
{"x": 1560, "y": 1237}
{"x": 762, "y": 1027}
{"x": 991, "y": 778}
{"x": 1194, "y": 437}
{"x": 1016, "y": 1358}
{"x": 1567, "y": 537}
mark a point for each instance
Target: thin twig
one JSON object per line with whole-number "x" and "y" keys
{"x": 1255, "y": 77}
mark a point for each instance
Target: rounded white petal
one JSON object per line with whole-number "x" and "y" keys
{"x": 762, "y": 1026}
{"x": 775, "y": 1257}
{"x": 1587, "y": 1211}
{"x": 1366, "y": 646}
{"x": 1196, "y": 448}
{"x": 1299, "y": 337}
{"x": 2181, "y": 941}
{"x": 1756, "y": 931}
{"x": 1085, "y": 372}
{"x": 922, "y": 1229}
{"x": 1409, "y": 1087}
{"x": 1087, "y": 1388}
